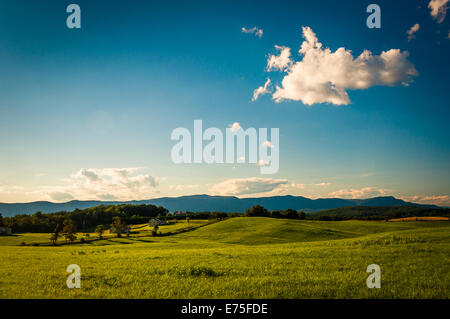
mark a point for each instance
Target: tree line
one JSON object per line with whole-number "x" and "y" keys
{"x": 83, "y": 219}
{"x": 103, "y": 215}
{"x": 88, "y": 219}
{"x": 205, "y": 215}
{"x": 68, "y": 230}
{"x": 378, "y": 213}
{"x": 260, "y": 211}
{"x": 352, "y": 212}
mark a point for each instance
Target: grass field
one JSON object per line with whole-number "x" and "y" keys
{"x": 137, "y": 231}
{"x": 239, "y": 258}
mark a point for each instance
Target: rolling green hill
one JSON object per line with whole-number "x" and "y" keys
{"x": 261, "y": 230}
{"x": 242, "y": 258}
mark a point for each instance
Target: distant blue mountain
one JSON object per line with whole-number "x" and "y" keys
{"x": 198, "y": 203}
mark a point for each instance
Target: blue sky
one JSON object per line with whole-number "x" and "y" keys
{"x": 87, "y": 113}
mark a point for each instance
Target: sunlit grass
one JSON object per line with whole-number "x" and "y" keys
{"x": 241, "y": 258}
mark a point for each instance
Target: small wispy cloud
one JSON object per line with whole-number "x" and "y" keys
{"x": 324, "y": 184}
{"x": 365, "y": 192}
{"x": 263, "y": 163}
{"x": 413, "y": 30}
{"x": 442, "y": 200}
{"x": 256, "y": 31}
{"x": 243, "y": 186}
{"x": 267, "y": 144}
{"x": 235, "y": 126}
{"x": 438, "y": 9}
{"x": 281, "y": 61}
{"x": 261, "y": 90}
{"x": 184, "y": 187}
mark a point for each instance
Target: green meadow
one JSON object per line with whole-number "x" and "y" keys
{"x": 242, "y": 257}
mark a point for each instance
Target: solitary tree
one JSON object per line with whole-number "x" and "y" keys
{"x": 1, "y": 220}
{"x": 290, "y": 213}
{"x": 118, "y": 226}
{"x": 155, "y": 230}
{"x": 69, "y": 230}
{"x": 275, "y": 214}
{"x": 257, "y": 210}
{"x": 56, "y": 234}
{"x": 100, "y": 229}
{"x": 301, "y": 215}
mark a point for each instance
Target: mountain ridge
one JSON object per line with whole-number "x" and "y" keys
{"x": 203, "y": 202}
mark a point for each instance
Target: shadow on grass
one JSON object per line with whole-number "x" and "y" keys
{"x": 145, "y": 240}
{"x": 118, "y": 241}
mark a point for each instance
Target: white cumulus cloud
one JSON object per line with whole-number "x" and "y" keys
{"x": 323, "y": 76}
{"x": 281, "y": 61}
{"x": 106, "y": 184}
{"x": 120, "y": 184}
